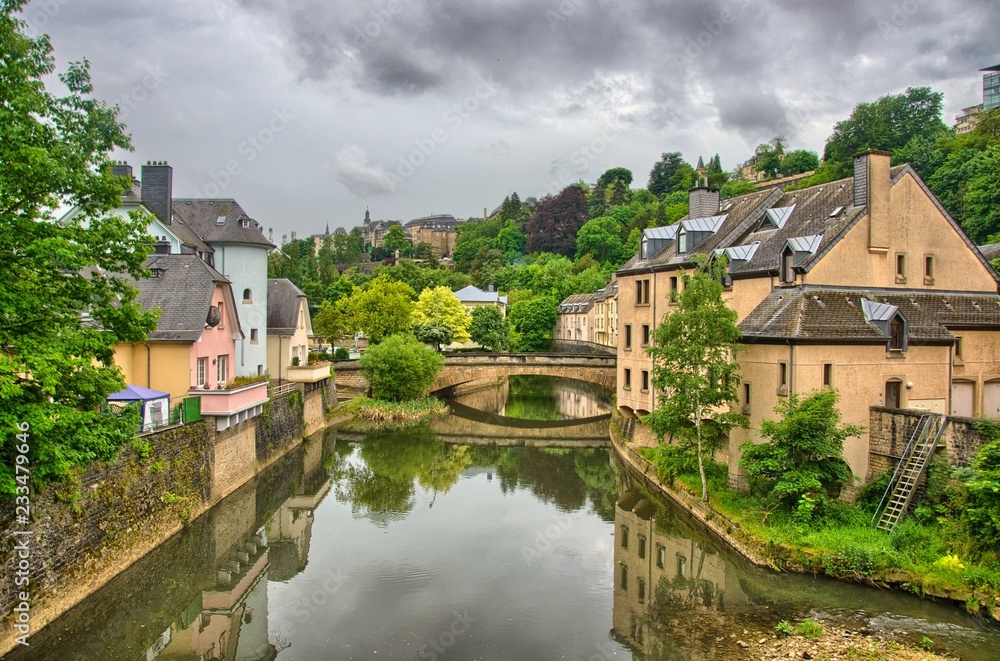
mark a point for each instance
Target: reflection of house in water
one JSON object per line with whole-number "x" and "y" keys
{"x": 290, "y": 529}
{"x": 647, "y": 557}
{"x": 580, "y": 399}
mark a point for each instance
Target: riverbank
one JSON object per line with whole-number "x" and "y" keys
{"x": 762, "y": 548}
{"x": 381, "y": 412}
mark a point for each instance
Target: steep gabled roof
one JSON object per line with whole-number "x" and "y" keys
{"x": 837, "y": 313}
{"x": 219, "y": 221}
{"x": 283, "y": 306}
{"x": 183, "y": 292}
{"x": 577, "y": 303}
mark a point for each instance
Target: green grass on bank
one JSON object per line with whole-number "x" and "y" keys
{"x": 379, "y": 411}
{"x": 934, "y": 549}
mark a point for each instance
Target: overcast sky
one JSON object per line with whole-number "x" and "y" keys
{"x": 321, "y": 108}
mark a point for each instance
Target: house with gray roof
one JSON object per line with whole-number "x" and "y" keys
{"x": 474, "y": 297}
{"x": 865, "y": 284}
{"x": 289, "y": 328}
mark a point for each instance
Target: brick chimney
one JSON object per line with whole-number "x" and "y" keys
{"x": 158, "y": 188}
{"x": 703, "y": 202}
{"x": 122, "y": 169}
{"x": 871, "y": 190}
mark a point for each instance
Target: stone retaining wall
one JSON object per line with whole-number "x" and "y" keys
{"x": 890, "y": 429}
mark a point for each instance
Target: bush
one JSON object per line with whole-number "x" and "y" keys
{"x": 341, "y": 354}
{"x": 809, "y": 629}
{"x": 400, "y": 368}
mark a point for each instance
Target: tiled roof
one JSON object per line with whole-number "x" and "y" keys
{"x": 183, "y": 292}
{"x": 577, "y": 303}
{"x": 990, "y": 251}
{"x": 282, "y": 306}
{"x": 833, "y": 313}
{"x": 220, "y": 221}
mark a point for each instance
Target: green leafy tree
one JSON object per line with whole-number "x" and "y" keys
{"x": 798, "y": 161}
{"x": 382, "y": 309}
{"x": 438, "y": 305}
{"x": 532, "y": 321}
{"x": 395, "y": 239}
{"x": 511, "y": 241}
{"x": 694, "y": 369}
{"x": 489, "y": 328}
{"x": 981, "y": 509}
{"x": 768, "y": 157}
{"x": 400, "y": 368}
{"x": 66, "y": 297}
{"x": 333, "y": 320}
{"x": 616, "y": 181}
{"x": 601, "y": 238}
{"x": 433, "y": 333}
{"x": 338, "y": 289}
{"x": 663, "y": 171}
{"x": 802, "y": 461}
{"x": 736, "y": 187}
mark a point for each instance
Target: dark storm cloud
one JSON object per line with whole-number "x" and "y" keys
{"x": 371, "y": 81}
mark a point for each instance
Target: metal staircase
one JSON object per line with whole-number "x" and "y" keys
{"x": 911, "y": 467}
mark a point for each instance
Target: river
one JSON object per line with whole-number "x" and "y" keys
{"x": 399, "y": 545}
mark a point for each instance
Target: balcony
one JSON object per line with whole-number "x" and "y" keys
{"x": 308, "y": 373}
{"x": 232, "y": 406}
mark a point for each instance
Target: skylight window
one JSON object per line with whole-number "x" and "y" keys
{"x": 836, "y": 212}
{"x": 221, "y": 220}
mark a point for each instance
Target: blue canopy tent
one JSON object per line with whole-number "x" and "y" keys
{"x": 154, "y": 405}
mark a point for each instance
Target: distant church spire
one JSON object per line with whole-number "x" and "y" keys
{"x": 328, "y": 228}
{"x": 368, "y": 217}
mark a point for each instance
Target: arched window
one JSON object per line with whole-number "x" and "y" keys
{"x": 247, "y": 296}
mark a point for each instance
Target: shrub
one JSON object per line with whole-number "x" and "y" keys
{"x": 400, "y": 368}
{"x": 341, "y": 354}
{"x": 783, "y": 628}
{"x": 809, "y": 629}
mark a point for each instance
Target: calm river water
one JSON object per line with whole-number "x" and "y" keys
{"x": 397, "y": 545}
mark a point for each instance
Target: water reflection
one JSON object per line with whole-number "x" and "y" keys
{"x": 538, "y": 398}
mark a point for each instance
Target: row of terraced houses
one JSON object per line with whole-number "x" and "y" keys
{"x": 223, "y": 324}
{"x": 866, "y": 285}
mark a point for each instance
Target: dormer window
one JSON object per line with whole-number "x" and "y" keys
{"x": 644, "y": 249}
{"x": 897, "y": 334}
{"x": 682, "y": 241}
{"x": 888, "y": 319}
{"x": 245, "y": 223}
{"x": 787, "y": 273}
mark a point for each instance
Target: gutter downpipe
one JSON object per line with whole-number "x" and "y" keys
{"x": 149, "y": 363}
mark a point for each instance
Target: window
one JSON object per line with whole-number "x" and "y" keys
{"x": 787, "y": 263}
{"x": 644, "y": 248}
{"x": 746, "y": 398}
{"x": 253, "y": 336}
{"x": 222, "y": 369}
{"x": 901, "y": 267}
{"x": 628, "y": 379}
{"x": 674, "y": 291}
{"x": 641, "y": 584}
{"x": 642, "y": 292}
{"x": 202, "y": 371}
{"x": 958, "y": 349}
{"x": 928, "y": 269}
{"x": 782, "y": 378}
{"x": 642, "y": 546}
{"x": 682, "y": 241}
{"x": 897, "y": 334}
{"x": 645, "y": 381}
{"x": 645, "y": 335}
{"x": 661, "y": 556}
{"x": 222, "y": 317}
{"x": 827, "y": 375}
{"x": 682, "y": 564}
{"x": 625, "y": 537}
{"x": 247, "y": 296}
{"x": 628, "y": 336}
{"x": 624, "y": 572}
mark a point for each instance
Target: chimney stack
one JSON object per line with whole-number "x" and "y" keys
{"x": 871, "y": 190}
{"x": 122, "y": 169}
{"x": 703, "y": 202}
{"x": 158, "y": 188}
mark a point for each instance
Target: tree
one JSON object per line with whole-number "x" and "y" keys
{"x": 511, "y": 241}
{"x": 798, "y": 161}
{"x": 438, "y": 305}
{"x": 888, "y": 123}
{"x": 556, "y": 221}
{"x": 382, "y": 309}
{"x": 338, "y": 289}
{"x": 737, "y": 187}
{"x": 66, "y": 297}
{"x": 612, "y": 189}
{"x": 802, "y": 462}
{"x": 694, "y": 368}
{"x": 333, "y": 320}
{"x": 533, "y": 321}
{"x": 663, "y": 171}
{"x": 767, "y": 157}
{"x": 395, "y": 239}
{"x": 489, "y": 328}
{"x": 433, "y": 333}
{"x": 400, "y": 368}
{"x": 600, "y": 237}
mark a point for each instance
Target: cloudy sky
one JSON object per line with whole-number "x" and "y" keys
{"x": 309, "y": 111}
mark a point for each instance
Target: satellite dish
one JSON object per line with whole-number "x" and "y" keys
{"x": 214, "y": 317}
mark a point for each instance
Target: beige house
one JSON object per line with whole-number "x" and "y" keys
{"x": 576, "y": 320}
{"x": 472, "y": 297}
{"x": 606, "y": 315}
{"x": 864, "y": 284}
{"x": 439, "y": 231}
{"x": 289, "y": 327}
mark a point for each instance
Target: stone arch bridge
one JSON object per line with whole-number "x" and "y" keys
{"x": 464, "y": 368}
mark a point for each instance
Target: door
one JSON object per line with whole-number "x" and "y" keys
{"x": 963, "y": 398}
{"x": 892, "y": 400}
{"x": 991, "y": 399}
